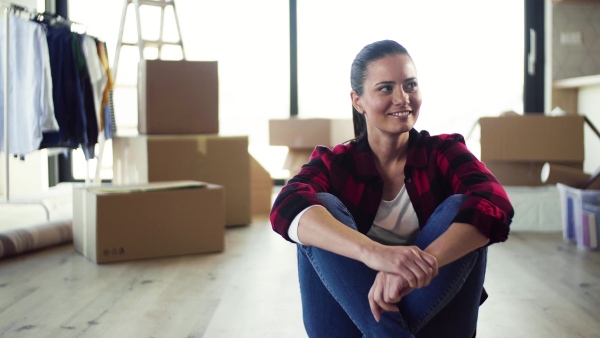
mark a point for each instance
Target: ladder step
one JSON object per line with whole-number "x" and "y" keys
{"x": 152, "y": 43}
{"x": 164, "y": 3}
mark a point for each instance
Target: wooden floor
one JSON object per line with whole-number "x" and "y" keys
{"x": 538, "y": 286}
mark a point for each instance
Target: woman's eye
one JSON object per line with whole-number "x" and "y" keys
{"x": 411, "y": 86}
{"x": 386, "y": 88}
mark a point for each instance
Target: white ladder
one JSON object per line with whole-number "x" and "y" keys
{"x": 141, "y": 43}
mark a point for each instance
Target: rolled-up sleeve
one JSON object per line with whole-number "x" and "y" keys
{"x": 488, "y": 207}
{"x": 299, "y": 193}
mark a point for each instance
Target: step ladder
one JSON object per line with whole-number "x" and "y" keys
{"x": 141, "y": 43}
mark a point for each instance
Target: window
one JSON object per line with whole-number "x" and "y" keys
{"x": 468, "y": 54}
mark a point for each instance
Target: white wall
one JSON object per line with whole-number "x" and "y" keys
{"x": 589, "y": 105}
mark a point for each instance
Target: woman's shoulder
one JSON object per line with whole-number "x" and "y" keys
{"x": 440, "y": 140}
{"x": 341, "y": 149}
{"x": 343, "y": 154}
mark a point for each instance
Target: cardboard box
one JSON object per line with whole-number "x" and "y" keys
{"x": 178, "y": 97}
{"x": 532, "y": 138}
{"x": 515, "y": 148}
{"x": 261, "y": 185}
{"x": 147, "y": 221}
{"x": 222, "y": 160}
{"x": 297, "y": 133}
{"x": 295, "y": 159}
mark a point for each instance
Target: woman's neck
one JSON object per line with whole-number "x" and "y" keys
{"x": 389, "y": 150}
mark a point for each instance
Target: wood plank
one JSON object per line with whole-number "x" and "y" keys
{"x": 539, "y": 287}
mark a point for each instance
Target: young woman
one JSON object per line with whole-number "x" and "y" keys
{"x": 392, "y": 227}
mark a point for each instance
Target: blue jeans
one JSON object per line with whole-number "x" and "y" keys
{"x": 334, "y": 288}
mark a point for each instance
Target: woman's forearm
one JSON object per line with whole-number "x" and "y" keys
{"x": 317, "y": 227}
{"x": 457, "y": 241}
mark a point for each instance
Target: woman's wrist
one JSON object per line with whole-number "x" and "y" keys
{"x": 368, "y": 251}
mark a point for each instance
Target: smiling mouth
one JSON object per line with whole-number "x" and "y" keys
{"x": 400, "y": 114}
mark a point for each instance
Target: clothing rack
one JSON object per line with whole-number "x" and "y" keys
{"x": 7, "y": 10}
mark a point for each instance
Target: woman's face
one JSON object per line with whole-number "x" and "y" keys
{"x": 391, "y": 98}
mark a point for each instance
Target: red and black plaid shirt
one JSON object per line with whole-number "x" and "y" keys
{"x": 436, "y": 168}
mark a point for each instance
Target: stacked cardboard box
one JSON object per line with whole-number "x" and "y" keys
{"x": 178, "y": 121}
{"x": 178, "y": 97}
{"x": 301, "y": 136}
{"x": 222, "y": 160}
{"x": 515, "y": 148}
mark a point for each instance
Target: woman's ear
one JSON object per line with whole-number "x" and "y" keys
{"x": 356, "y": 102}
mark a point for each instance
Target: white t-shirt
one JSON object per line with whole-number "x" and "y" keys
{"x": 395, "y": 223}
{"x": 30, "y": 103}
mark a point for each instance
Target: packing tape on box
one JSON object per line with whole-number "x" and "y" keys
{"x": 554, "y": 173}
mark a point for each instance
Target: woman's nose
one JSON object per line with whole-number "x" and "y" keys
{"x": 401, "y": 98}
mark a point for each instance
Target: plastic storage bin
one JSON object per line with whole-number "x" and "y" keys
{"x": 590, "y": 221}
{"x": 572, "y": 202}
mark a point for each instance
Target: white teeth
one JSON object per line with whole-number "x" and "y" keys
{"x": 404, "y": 113}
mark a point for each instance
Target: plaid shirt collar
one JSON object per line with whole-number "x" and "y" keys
{"x": 417, "y": 155}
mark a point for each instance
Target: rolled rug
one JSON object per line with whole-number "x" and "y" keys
{"x": 16, "y": 241}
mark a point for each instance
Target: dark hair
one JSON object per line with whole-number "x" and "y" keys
{"x": 372, "y": 52}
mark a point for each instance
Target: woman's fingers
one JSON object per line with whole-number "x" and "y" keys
{"x": 375, "y": 310}
{"x": 394, "y": 288}
{"x": 378, "y": 297}
{"x": 416, "y": 266}
{"x": 431, "y": 260}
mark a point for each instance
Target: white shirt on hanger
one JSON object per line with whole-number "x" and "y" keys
{"x": 30, "y": 103}
{"x": 98, "y": 76}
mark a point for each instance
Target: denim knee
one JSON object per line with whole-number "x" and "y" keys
{"x": 454, "y": 201}
{"x": 440, "y": 220}
{"x": 337, "y": 209}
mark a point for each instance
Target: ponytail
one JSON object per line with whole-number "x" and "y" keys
{"x": 360, "y": 124}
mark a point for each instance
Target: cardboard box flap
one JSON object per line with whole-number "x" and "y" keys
{"x": 125, "y": 189}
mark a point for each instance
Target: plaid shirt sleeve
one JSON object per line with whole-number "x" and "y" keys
{"x": 299, "y": 192}
{"x": 488, "y": 207}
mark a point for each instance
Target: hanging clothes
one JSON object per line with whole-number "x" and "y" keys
{"x": 97, "y": 73}
{"x": 91, "y": 122}
{"x": 73, "y": 94}
{"x": 30, "y": 87}
{"x": 68, "y": 99}
{"x": 108, "y": 113}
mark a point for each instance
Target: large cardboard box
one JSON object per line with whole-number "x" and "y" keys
{"x": 298, "y": 133}
{"x": 222, "y": 160}
{"x": 532, "y": 138}
{"x": 178, "y": 97}
{"x": 515, "y": 148}
{"x": 113, "y": 224}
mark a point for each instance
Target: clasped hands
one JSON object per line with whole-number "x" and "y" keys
{"x": 401, "y": 270}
